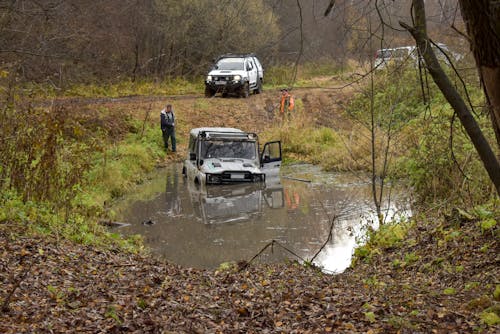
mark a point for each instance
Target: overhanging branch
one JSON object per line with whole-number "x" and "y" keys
{"x": 419, "y": 33}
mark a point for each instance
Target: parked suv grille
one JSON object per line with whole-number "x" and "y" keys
{"x": 224, "y": 78}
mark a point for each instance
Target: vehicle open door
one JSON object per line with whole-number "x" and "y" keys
{"x": 270, "y": 158}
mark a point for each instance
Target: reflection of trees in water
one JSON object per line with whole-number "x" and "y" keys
{"x": 314, "y": 209}
{"x": 172, "y": 195}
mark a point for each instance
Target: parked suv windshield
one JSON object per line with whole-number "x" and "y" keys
{"x": 228, "y": 149}
{"x": 230, "y": 64}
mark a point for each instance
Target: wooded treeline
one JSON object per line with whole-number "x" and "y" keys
{"x": 63, "y": 42}
{"x": 86, "y": 40}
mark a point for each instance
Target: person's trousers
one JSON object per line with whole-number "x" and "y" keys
{"x": 169, "y": 132}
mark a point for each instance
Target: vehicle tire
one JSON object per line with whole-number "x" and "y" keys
{"x": 245, "y": 90}
{"x": 184, "y": 172}
{"x": 224, "y": 95}
{"x": 258, "y": 90}
{"x": 209, "y": 92}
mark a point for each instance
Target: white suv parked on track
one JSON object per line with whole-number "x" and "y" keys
{"x": 234, "y": 73}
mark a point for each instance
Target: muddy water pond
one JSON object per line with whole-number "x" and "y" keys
{"x": 203, "y": 228}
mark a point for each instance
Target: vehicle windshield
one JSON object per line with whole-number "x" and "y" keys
{"x": 230, "y": 64}
{"x": 228, "y": 149}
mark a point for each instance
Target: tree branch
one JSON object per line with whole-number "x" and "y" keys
{"x": 419, "y": 33}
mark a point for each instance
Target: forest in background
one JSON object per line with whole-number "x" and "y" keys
{"x": 65, "y": 161}
{"x": 83, "y": 41}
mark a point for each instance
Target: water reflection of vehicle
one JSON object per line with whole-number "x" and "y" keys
{"x": 234, "y": 203}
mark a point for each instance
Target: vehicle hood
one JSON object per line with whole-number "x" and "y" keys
{"x": 227, "y": 72}
{"x": 215, "y": 166}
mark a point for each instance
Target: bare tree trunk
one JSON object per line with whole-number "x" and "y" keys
{"x": 419, "y": 33}
{"x": 482, "y": 20}
{"x": 136, "y": 62}
{"x": 376, "y": 200}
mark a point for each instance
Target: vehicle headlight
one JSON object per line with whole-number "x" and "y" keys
{"x": 237, "y": 77}
{"x": 213, "y": 178}
{"x": 209, "y": 78}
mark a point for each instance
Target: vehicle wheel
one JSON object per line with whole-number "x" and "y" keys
{"x": 209, "y": 92}
{"x": 258, "y": 90}
{"x": 224, "y": 95}
{"x": 245, "y": 90}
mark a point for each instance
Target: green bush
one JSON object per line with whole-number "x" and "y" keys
{"x": 436, "y": 167}
{"x": 60, "y": 166}
{"x": 389, "y": 235}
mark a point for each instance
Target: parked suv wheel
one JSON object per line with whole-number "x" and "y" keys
{"x": 245, "y": 90}
{"x": 209, "y": 92}
{"x": 258, "y": 90}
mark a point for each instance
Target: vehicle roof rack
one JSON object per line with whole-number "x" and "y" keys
{"x": 236, "y": 55}
{"x": 227, "y": 134}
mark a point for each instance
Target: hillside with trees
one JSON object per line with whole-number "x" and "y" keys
{"x": 81, "y": 86}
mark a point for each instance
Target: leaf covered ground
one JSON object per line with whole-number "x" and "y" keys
{"x": 442, "y": 278}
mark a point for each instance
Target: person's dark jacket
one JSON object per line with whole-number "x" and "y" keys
{"x": 167, "y": 119}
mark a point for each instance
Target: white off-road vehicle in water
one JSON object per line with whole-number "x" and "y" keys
{"x": 235, "y": 73}
{"x": 229, "y": 155}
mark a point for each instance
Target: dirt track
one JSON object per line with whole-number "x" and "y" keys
{"x": 320, "y": 106}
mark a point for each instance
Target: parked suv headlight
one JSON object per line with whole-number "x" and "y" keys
{"x": 209, "y": 78}
{"x": 237, "y": 77}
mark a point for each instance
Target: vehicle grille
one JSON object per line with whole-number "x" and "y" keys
{"x": 224, "y": 78}
{"x": 236, "y": 176}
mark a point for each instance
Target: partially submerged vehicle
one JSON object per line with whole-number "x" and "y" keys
{"x": 229, "y": 155}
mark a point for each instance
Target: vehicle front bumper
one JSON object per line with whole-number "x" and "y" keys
{"x": 234, "y": 177}
{"x": 228, "y": 86}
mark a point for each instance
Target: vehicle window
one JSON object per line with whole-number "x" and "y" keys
{"x": 249, "y": 65}
{"x": 383, "y": 54}
{"x": 191, "y": 144}
{"x": 256, "y": 61}
{"x": 271, "y": 151}
{"x": 400, "y": 53}
{"x": 231, "y": 65}
{"x": 228, "y": 149}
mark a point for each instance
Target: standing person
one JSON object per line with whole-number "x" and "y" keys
{"x": 287, "y": 103}
{"x": 167, "y": 118}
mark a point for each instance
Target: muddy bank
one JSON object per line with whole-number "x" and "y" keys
{"x": 50, "y": 286}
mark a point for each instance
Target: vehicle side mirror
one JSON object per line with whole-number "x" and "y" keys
{"x": 267, "y": 158}
{"x": 192, "y": 156}
{"x": 249, "y": 68}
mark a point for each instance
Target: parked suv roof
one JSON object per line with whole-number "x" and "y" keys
{"x": 237, "y": 55}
